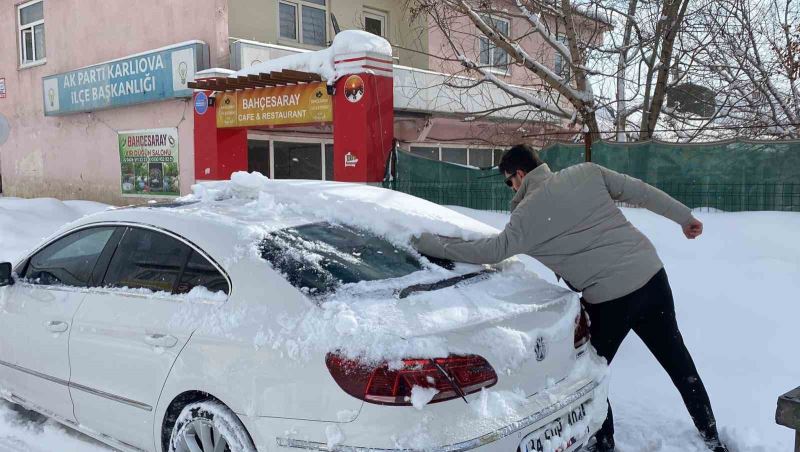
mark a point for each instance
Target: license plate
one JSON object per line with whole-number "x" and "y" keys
{"x": 538, "y": 440}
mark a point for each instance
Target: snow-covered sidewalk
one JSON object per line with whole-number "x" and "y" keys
{"x": 735, "y": 298}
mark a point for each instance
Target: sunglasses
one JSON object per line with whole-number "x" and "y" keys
{"x": 508, "y": 179}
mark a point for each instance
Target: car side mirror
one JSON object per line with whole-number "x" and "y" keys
{"x": 5, "y": 274}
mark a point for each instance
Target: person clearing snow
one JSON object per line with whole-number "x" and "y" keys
{"x": 569, "y": 222}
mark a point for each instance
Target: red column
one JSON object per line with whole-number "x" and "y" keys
{"x": 363, "y": 117}
{"x": 218, "y": 153}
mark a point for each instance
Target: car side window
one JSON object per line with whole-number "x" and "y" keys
{"x": 152, "y": 260}
{"x": 200, "y": 272}
{"x": 69, "y": 261}
{"x": 146, "y": 259}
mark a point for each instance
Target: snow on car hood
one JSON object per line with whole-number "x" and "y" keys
{"x": 257, "y": 200}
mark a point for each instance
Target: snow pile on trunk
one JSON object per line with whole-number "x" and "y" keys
{"x": 390, "y": 214}
{"x": 25, "y": 222}
{"x": 322, "y": 61}
{"x": 366, "y": 321}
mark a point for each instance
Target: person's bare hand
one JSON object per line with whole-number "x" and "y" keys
{"x": 693, "y": 228}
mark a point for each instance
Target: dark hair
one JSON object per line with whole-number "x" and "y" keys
{"x": 520, "y": 157}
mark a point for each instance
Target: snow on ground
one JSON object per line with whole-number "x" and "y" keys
{"x": 24, "y": 222}
{"x": 735, "y": 295}
{"x": 734, "y": 290}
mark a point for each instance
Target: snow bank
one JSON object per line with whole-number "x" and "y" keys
{"x": 25, "y": 222}
{"x": 322, "y": 61}
{"x": 26, "y": 431}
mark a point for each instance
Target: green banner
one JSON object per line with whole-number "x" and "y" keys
{"x": 149, "y": 162}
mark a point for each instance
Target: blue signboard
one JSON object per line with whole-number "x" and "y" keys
{"x": 201, "y": 103}
{"x": 147, "y": 77}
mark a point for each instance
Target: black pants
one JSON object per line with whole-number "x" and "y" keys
{"x": 650, "y": 313}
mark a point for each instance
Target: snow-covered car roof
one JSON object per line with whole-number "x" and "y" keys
{"x": 252, "y": 206}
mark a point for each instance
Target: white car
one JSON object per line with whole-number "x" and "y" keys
{"x": 241, "y": 324}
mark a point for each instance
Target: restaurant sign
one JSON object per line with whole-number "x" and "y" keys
{"x": 149, "y": 162}
{"x": 147, "y": 77}
{"x": 275, "y": 106}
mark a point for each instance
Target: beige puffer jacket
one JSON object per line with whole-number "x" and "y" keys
{"x": 569, "y": 222}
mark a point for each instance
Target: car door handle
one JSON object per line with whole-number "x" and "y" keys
{"x": 56, "y": 326}
{"x": 161, "y": 340}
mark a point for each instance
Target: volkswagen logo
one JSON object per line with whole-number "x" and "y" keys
{"x": 540, "y": 349}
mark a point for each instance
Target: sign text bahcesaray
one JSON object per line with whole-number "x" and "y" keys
{"x": 149, "y": 162}
{"x": 276, "y": 106}
{"x": 152, "y": 76}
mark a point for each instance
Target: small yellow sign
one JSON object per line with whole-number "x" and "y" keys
{"x": 275, "y": 106}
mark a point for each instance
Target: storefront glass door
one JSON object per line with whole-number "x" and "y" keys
{"x": 297, "y": 160}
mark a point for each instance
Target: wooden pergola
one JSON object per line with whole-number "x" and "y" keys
{"x": 253, "y": 81}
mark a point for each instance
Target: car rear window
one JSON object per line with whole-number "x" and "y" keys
{"x": 318, "y": 258}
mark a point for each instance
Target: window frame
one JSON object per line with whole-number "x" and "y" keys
{"x": 273, "y": 138}
{"x": 192, "y": 247}
{"x": 298, "y": 22}
{"x": 379, "y": 15}
{"x": 492, "y": 47}
{"x": 29, "y": 27}
{"x": 104, "y": 260}
{"x": 441, "y": 146}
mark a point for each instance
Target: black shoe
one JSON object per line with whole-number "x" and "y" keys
{"x": 716, "y": 446}
{"x": 601, "y": 445}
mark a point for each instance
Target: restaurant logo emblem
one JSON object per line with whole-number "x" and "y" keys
{"x": 350, "y": 160}
{"x": 354, "y": 88}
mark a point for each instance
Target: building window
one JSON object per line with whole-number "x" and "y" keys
{"x": 30, "y": 20}
{"x": 328, "y": 162}
{"x": 480, "y": 158}
{"x": 287, "y": 14}
{"x": 375, "y": 22}
{"x": 304, "y": 21}
{"x": 490, "y": 55}
{"x": 473, "y": 156}
{"x": 297, "y": 160}
{"x": 498, "y": 155}
{"x": 426, "y": 151}
{"x": 455, "y": 155}
{"x": 258, "y": 156}
{"x": 561, "y": 67}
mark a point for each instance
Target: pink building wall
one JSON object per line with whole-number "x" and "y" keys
{"x": 466, "y": 36}
{"x": 76, "y": 156}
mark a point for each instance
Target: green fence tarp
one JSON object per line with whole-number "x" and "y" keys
{"x": 729, "y": 176}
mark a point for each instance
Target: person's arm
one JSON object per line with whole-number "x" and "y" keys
{"x": 633, "y": 191}
{"x": 490, "y": 250}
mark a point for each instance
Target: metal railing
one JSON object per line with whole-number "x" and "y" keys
{"x": 725, "y": 197}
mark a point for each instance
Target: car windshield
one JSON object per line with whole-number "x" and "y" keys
{"x": 320, "y": 257}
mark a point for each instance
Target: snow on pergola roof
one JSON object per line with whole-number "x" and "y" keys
{"x": 304, "y": 67}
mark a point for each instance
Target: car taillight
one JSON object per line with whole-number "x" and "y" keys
{"x": 582, "y": 334}
{"x": 452, "y": 377}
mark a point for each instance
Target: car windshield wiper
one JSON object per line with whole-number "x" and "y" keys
{"x": 443, "y": 283}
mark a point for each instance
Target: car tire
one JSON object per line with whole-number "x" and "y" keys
{"x": 207, "y": 424}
